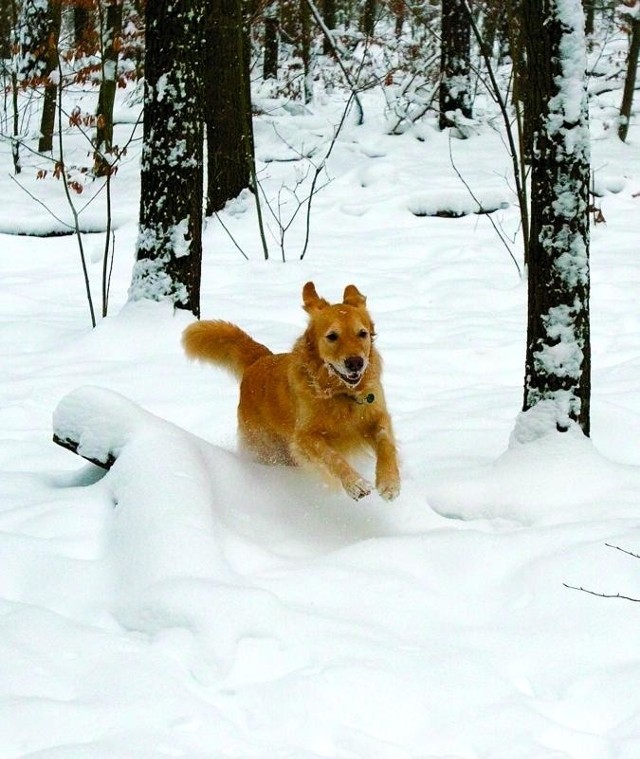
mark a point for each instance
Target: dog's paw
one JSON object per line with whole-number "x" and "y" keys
{"x": 358, "y": 488}
{"x": 389, "y": 490}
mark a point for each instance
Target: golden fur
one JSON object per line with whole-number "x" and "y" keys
{"x": 317, "y": 404}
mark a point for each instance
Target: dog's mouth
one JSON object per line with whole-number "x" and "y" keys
{"x": 350, "y": 378}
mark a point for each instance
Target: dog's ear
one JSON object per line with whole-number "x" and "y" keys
{"x": 312, "y": 301}
{"x": 353, "y": 297}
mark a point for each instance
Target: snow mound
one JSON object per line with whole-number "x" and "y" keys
{"x": 544, "y": 477}
{"x": 455, "y": 203}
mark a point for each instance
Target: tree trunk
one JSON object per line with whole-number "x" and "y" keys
{"x": 111, "y": 29}
{"x": 271, "y": 31}
{"x": 49, "y": 44}
{"x": 305, "y": 51}
{"x": 329, "y": 18}
{"x": 558, "y": 356}
{"x": 228, "y": 104}
{"x": 6, "y": 19}
{"x": 630, "y": 81}
{"x": 169, "y": 248}
{"x": 455, "y": 67}
{"x": 589, "y": 16}
{"x": 84, "y": 34}
{"x": 369, "y": 17}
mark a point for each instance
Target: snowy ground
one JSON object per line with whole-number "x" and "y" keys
{"x": 189, "y": 604}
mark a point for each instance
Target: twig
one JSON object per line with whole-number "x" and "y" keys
{"x": 623, "y": 550}
{"x": 72, "y": 207}
{"x": 602, "y": 595}
{"x": 106, "y": 274}
{"x": 475, "y": 199}
{"x": 231, "y": 237}
{"x": 609, "y": 595}
{"x": 40, "y": 202}
{"x": 517, "y": 169}
{"x": 316, "y": 174}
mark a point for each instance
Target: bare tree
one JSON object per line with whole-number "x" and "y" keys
{"x": 6, "y": 22}
{"x": 455, "y": 66}
{"x": 228, "y": 103}
{"x": 558, "y": 356}
{"x": 169, "y": 249}
{"x": 84, "y": 31}
{"x": 8, "y": 25}
{"x": 329, "y": 17}
{"x": 271, "y": 41}
{"x": 110, "y": 33}
{"x": 632, "y": 70}
{"x": 369, "y": 13}
{"x": 38, "y": 35}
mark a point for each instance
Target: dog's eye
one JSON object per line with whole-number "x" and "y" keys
{"x": 363, "y": 334}
{"x": 332, "y": 337}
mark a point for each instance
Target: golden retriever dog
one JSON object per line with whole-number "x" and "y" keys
{"x": 317, "y": 404}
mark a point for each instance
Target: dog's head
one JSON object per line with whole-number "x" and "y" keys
{"x": 340, "y": 334}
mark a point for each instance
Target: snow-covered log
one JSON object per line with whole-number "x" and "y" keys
{"x": 164, "y": 538}
{"x": 96, "y": 424}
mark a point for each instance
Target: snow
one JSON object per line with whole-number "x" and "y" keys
{"x": 563, "y": 358}
{"x": 191, "y": 603}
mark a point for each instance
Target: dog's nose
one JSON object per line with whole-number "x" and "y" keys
{"x": 354, "y": 363}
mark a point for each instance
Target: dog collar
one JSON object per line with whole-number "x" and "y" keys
{"x": 361, "y": 400}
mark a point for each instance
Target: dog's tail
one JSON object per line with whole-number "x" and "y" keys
{"x": 224, "y": 344}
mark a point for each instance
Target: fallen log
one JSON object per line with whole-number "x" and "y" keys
{"x": 96, "y": 424}
{"x": 74, "y": 447}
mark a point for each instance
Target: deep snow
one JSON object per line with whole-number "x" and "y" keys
{"x": 189, "y": 603}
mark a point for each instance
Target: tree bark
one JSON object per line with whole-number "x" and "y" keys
{"x": 455, "y": 67}
{"x": 50, "y": 61}
{"x": 228, "y": 104}
{"x": 558, "y": 356}
{"x": 6, "y": 19}
{"x": 369, "y": 17}
{"x": 589, "y": 16}
{"x": 169, "y": 247}
{"x": 111, "y": 24}
{"x": 84, "y": 33}
{"x": 630, "y": 80}
{"x": 305, "y": 50}
{"x": 329, "y": 18}
{"x": 271, "y": 32}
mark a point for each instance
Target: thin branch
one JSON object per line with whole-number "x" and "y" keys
{"x": 231, "y": 237}
{"x": 517, "y": 172}
{"x": 318, "y": 169}
{"x": 475, "y": 199}
{"x": 40, "y": 202}
{"x": 72, "y": 207}
{"x": 623, "y": 550}
{"x": 609, "y": 595}
{"x": 601, "y": 595}
{"x": 105, "y": 255}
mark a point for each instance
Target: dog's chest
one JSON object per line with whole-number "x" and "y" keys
{"x": 346, "y": 416}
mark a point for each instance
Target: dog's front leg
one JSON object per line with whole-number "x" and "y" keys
{"x": 387, "y": 471}
{"x": 315, "y": 451}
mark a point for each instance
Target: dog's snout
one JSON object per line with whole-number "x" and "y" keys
{"x": 354, "y": 363}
